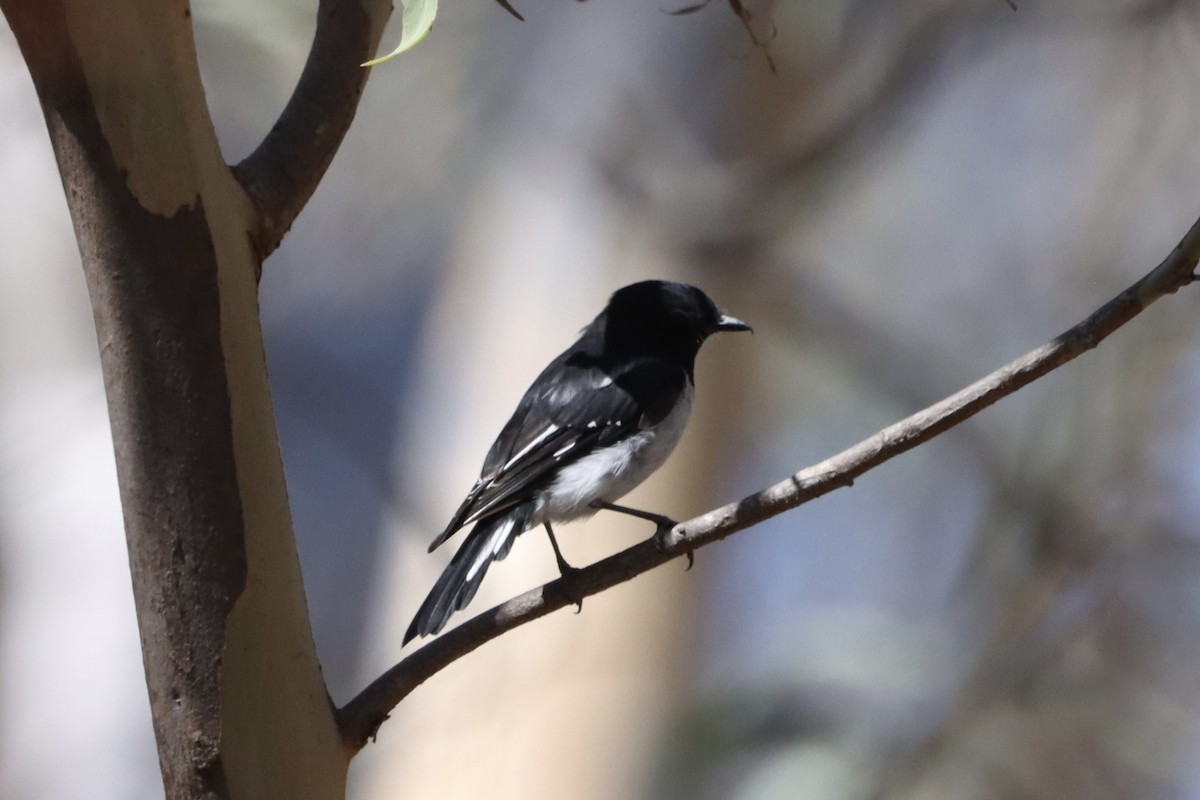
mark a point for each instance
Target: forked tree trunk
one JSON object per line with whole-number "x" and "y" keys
{"x": 165, "y": 233}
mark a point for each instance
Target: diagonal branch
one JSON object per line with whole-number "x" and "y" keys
{"x": 282, "y": 173}
{"x": 361, "y": 717}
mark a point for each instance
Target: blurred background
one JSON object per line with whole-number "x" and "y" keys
{"x": 924, "y": 190}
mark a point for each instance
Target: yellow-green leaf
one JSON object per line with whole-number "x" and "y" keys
{"x": 417, "y": 20}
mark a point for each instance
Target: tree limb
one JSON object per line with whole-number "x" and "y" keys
{"x": 360, "y": 719}
{"x": 284, "y": 170}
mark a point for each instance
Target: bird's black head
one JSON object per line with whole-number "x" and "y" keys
{"x": 663, "y": 317}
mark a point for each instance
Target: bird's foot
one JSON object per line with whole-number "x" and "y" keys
{"x": 663, "y": 525}
{"x": 661, "y": 534}
{"x": 567, "y": 572}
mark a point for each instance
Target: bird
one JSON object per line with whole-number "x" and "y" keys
{"x": 598, "y": 420}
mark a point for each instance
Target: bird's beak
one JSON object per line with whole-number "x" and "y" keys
{"x": 728, "y": 323}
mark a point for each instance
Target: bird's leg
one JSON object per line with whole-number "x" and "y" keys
{"x": 663, "y": 524}
{"x": 564, "y": 569}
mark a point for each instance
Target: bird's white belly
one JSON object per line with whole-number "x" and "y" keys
{"x": 614, "y": 471}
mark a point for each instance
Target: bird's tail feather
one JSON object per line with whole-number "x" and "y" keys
{"x": 489, "y": 541}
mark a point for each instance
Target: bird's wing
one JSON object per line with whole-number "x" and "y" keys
{"x": 575, "y": 406}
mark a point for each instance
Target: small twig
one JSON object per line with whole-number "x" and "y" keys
{"x": 284, "y": 170}
{"x": 507, "y": 6}
{"x": 744, "y": 16}
{"x": 361, "y": 717}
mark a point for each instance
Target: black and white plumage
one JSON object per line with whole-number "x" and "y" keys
{"x": 596, "y": 422}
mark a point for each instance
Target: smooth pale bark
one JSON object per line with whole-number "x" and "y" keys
{"x": 171, "y": 245}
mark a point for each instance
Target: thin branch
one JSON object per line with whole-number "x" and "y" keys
{"x": 282, "y": 173}
{"x": 361, "y": 717}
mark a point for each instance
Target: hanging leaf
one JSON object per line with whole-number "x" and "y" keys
{"x": 417, "y": 20}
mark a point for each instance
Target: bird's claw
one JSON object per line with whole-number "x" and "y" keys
{"x": 665, "y": 526}
{"x": 566, "y": 572}
{"x": 575, "y": 600}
